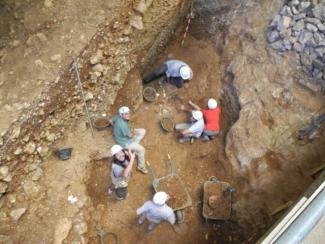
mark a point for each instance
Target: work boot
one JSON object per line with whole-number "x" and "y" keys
{"x": 151, "y": 226}
{"x": 142, "y": 170}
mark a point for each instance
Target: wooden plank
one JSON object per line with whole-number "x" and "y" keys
{"x": 282, "y": 207}
{"x": 316, "y": 170}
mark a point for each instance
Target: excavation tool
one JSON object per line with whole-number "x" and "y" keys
{"x": 75, "y": 64}
{"x": 175, "y": 188}
{"x": 217, "y": 199}
{"x": 105, "y": 236}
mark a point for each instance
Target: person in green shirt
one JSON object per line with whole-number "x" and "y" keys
{"x": 127, "y": 138}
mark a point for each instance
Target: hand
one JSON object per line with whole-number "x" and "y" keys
{"x": 131, "y": 155}
{"x": 182, "y": 107}
{"x": 190, "y": 102}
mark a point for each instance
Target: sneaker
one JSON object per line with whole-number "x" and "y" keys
{"x": 151, "y": 226}
{"x": 206, "y": 138}
{"x": 181, "y": 140}
{"x": 110, "y": 191}
{"x": 142, "y": 170}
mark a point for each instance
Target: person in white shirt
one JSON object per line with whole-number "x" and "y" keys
{"x": 192, "y": 130}
{"x": 156, "y": 211}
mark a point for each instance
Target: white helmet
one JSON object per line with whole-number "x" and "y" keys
{"x": 212, "y": 104}
{"x": 197, "y": 115}
{"x": 186, "y": 72}
{"x": 115, "y": 149}
{"x": 160, "y": 198}
{"x": 123, "y": 110}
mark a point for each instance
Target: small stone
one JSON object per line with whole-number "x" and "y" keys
{"x": 304, "y": 5}
{"x": 141, "y": 7}
{"x": 278, "y": 45}
{"x": 12, "y": 198}
{"x": 43, "y": 151}
{"x": 305, "y": 59}
{"x": 97, "y": 57}
{"x": 18, "y": 151}
{"x": 287, "y": 45}
{"x": 41, "y": 37}
{"x": 276, "y": 20}
{"x": 15, "y": 43}
{"x": 81, "y": 228}
{"x": 89, "y": 96}
{"x": 136, "y": 22}
{"x": 286, "y": 11}
{"x": 298, "y": 47}
{"x": 4, "y": 172}
{"x": 98, "y": 68}
{"x": 56, "y": 58}
{"x": 48, "y": 3}
{"x": 51, "y": 137}
{"x": 37, "y": 174}
{"x": 127, "y": 30}
{"x": 31, "y": 188}
{"x": 319, "y": 11}
{"x": 284, "y": 23}
{"x": 321, "y": 27}
{"x": 30, "y": 148}
{"x": 306, "y": 37}
{"x": 299, "y": 16}
{"x": 3, "y": 187}
{"x": 294, "y": 10}
{"x": 311, "y": 27}
{"x": 272, "y": 36}
{"x": 17, "y": 213}
{"x": 318, "y": 38}
{"x": 300, "y": 25}
{"x": 318, "y": 64}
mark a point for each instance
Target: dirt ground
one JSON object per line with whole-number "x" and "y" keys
{"x": 47, "y": 184}
{"x": 194, "y": 163}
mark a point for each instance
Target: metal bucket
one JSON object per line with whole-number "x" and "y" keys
{"x": 167, "y": 124}
{"x": 64, "y": 153}
{"x": 101, "y": 123}
{"x": 149, "y": 94}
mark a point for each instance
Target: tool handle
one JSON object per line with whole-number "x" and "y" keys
{"x": 151, "y": 170}
{"x": 171, "y": 165}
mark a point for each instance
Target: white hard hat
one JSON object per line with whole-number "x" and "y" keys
{"x": 186, "y": 73}
{"x": 123, "y": 110}
{"x": 115, "y": 149}
{"x": 160, "y": 198}
{"x": 212, "y": 103}
{"x": 196, "y": 114}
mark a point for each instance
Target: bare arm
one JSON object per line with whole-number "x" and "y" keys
{"x": 193, "y": 105}
{"x": 128, "y": 169}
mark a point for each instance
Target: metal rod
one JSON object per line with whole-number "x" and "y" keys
{"x": 171, "y": 166}
{"x": 75, "y": 64}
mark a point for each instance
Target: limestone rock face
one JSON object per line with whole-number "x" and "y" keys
{"x": 62, "y": 230}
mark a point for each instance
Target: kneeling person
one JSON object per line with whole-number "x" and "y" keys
{"x": 192, "y": 130}
{"x": 121, "y": 171}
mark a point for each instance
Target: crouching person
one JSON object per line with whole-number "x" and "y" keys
{"x": 192, "y": 130}
{"x": 121, "y": 171}
{"x": 156, "y": 211}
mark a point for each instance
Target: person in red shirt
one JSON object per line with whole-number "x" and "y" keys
{"x": 211, "y": 119}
